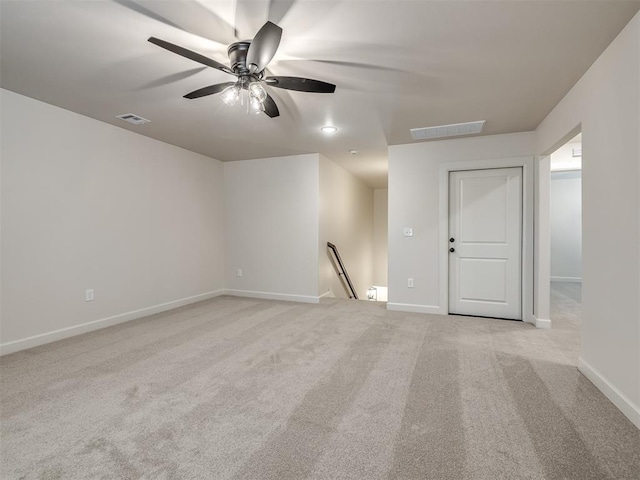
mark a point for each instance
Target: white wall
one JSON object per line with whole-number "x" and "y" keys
{"x": 271, "y": 225}
{"x": 605, "y": 104}
{"x": 566, "y": 225}
{"x": 414, "y": 201}
{"x": 89, "y": 205}
{"x": 346, "y": 220}
{"x": 380, "y": 236}
{"x": 563, "y": 159}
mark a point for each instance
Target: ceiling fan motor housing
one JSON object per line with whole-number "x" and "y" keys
{"x": 238, "y": 57}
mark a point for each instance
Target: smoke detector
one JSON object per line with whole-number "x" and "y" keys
{"x": 132, "y": 118}
{"x": 453, "y": 130}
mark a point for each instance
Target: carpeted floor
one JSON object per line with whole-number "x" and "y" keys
{"x": 255, "y": 389}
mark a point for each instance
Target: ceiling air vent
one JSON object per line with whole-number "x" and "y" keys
{"x": 131, "y": 118}
{"x": 454, "y": 130}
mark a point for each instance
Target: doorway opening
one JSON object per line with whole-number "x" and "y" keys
{"x": 565, "y": 226}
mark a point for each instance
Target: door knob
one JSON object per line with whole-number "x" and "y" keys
{"x": 452, "y": 249}
{"x": 452, "y": 239}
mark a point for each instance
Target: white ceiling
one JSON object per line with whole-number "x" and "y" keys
{"x": 397, "y": 65}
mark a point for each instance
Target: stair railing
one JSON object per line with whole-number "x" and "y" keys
{"x": 342, "y": 271}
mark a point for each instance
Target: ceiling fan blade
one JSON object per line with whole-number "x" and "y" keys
{"x": 263, "y": 47}
{"x": 279, "y": 8}
{"x": 136, "y": 7}
{"x": 250, "y": 16}
{"x": 210, "y": 90}
{"x": 191, "y": 17}
{"x": 366, "y": 66}
{"x": 196, "y": 57}
{"x": 270, "y": 107}
{"x": 301, "y": 84}
{"x": 174, "y": 77}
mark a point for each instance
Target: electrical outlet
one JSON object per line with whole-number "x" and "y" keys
{"x": 239, "y": 272}
{"x": 408, "y": 232}
{"x": 410, "y": 282}
{"x": 88, "y": 295}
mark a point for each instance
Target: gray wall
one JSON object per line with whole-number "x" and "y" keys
{"x": 605, "y": 106}
{"x": 566, "y": 226}
{"x": 414, "y": 201}
{"x": 87, "y": 205}
{"x": 271, "y": 227}
{"x": 380, "y": 233}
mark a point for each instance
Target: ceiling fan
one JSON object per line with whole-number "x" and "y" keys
{"x": 248, "y": 60}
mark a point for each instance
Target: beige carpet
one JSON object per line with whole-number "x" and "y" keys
{"x": 255, "y": 389}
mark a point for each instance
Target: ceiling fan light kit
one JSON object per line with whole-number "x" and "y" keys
{"x": 230, "y": 95}
{"x": 248, "y": 60}
{"x": 253, "y": 96}
{"x": 257, "y": 91}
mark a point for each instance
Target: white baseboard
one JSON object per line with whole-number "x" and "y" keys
{"x": 273, "y": 296}
{"x": 567, "y": 279}
{"x": 327, "y": 294}
{"x": 542, "y": 322}
{"x": 625, "y": 405}
{"x": 407, "y": 307}
{"x": 41, "y": 339}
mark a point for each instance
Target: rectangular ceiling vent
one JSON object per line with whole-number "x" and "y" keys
{"x": 131, "y": 118}
{"x": 454, "y": 130}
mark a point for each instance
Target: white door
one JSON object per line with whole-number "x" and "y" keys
{"x": 485, "y": 242}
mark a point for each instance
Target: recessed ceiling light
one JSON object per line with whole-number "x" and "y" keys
{"x": 353, "y": 152}
{"x": 329, "y": 129}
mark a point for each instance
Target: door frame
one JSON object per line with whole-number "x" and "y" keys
{"x": 513, "y": 173}
{"x": 527, "y": 278}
